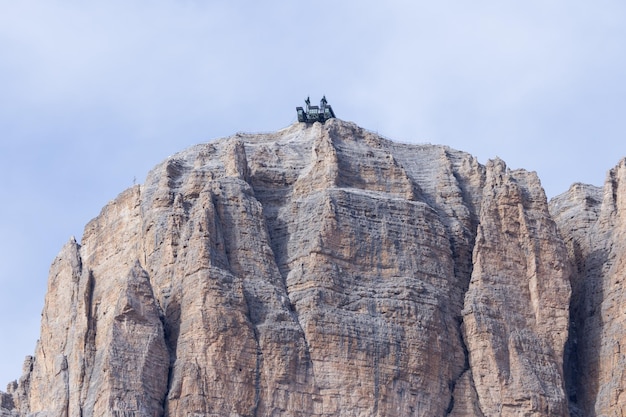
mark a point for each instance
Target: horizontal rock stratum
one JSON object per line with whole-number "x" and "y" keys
{"x": 322, "y": 270}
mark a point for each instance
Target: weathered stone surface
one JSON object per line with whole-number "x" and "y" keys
{"x": 466, "y": 402}
{"x": 593, "y": 220}
{"x": 320, "y": 270}
{"x": 7, "y": 405}
{"x": 516, "y": 309}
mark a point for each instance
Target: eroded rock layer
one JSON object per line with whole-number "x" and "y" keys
{"x": 316, "y": 271}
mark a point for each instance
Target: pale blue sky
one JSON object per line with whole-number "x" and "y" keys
{"x": 94, "y": 94}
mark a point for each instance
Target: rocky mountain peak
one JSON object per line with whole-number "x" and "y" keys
{"x": 322, "y": 270}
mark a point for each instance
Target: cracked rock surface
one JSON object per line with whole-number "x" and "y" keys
{"x": 322, "y": 270}
{"x": 593, "y": 222}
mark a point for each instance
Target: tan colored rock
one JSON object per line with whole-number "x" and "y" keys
{"x": 516, "y": 308}
{"x": 466, "y": 402}
{"x": 320, "y": 270}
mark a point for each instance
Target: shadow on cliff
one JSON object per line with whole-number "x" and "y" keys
{"x": 582, "y": 350}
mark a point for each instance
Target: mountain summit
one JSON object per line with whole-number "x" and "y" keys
{"x": 322, "y": 270}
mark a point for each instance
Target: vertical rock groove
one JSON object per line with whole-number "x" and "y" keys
{"x": 592, "y": 222}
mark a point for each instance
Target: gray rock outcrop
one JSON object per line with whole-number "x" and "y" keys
{"x": 593, "y": 222}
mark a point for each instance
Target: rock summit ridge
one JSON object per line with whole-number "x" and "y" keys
{"x": 323, "y": 270}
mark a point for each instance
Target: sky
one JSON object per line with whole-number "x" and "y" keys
{"x": 94, "y": 94}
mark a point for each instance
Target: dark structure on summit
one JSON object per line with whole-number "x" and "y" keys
{"x": 314, "y": 114}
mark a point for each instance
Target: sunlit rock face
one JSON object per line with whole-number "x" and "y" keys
{"x": 322, "y": 270}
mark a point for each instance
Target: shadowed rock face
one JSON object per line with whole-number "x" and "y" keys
{"x": 324, "y": 271}
{"x": 593, "y": 222}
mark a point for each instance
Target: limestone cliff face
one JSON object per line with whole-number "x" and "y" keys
{"x": 324, "y": 271}
{"x": 593, "y": 220}
{"x": 516, "y": 308}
